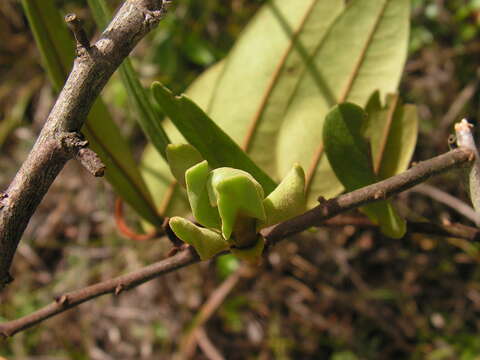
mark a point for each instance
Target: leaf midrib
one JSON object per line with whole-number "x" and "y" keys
{"x": 320, "y": 149}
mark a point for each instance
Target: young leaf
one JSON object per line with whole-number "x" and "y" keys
{"x": 349, "y": 155}
{"x": 392, "y": 131}
{"x": 213, "y": 144}
{"x": 148, "y": 117}
{"x": 206, "y": 242}
{"x": 57, "y": 48}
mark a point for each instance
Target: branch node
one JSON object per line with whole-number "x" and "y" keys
{"x": 321, "y": 200}
{"x": 72, "y": 142}
{"x": 75, "y": 25}
{"x": 380, "y": 194}
{"x": 3, "y": 196}
{"x": 62, "y": 300}
{"x": 119, "y": 289}
{"x": 153, "y": 17}
{"x": 91, "y": 161}
{"x": 75, "y": 144}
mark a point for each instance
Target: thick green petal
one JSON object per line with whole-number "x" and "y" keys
{"x": 196, "y": 179}
{"x": 288, "y": 199}
{"x": 206, "y": 242}
{"x": 235, "y": 192}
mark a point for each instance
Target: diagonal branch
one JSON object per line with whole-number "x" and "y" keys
{"x": 314, "y": 217}
{"x": 58, "y": 141}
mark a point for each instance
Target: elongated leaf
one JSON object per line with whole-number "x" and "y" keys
{"x": 213, "y": 144}
{"x": 148, "y": 117}
{"x": 57, "y": 48}
{"x": 169, "y": 197}
{"x": 392, "y": 130}
{"x": 364, "y": 50}
{"x": 349, "y": 155}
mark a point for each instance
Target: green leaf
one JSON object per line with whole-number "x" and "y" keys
{"x": 206, "y": 242}
{"x": 274, "y": 103}
{"x": 349, "y": 155}
{"x": 180, "y": 158}
{"x": 282, "y": 36}
{"x": 261, "y": 73}
{"x": 392, "y": 130}
{"x": 199, "y": 130}
{"x": 57, "y": 49}
{"x": 148, "y": 117}
{"x": 364, "y": 50}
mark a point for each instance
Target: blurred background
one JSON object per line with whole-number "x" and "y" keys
{"x": 344, "y": 293}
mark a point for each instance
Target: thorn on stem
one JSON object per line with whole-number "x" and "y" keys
{"x": 75, "y": 25}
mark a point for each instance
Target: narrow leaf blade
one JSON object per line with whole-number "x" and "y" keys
{"x": 200, "y": 131}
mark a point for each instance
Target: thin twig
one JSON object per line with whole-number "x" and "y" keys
{"x": 378, "y": 191}
{"x": 56, "y": 143}
{"x": 449, "y": 200}
{"x": 112, "y": 286}
{"x": 314, "y": 217}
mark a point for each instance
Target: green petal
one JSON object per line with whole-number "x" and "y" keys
{"x": 196, "y": 180}
{"x": 235, "y": 192}
{"x": 287, "y": 200}
{"x": 206, "y": 242}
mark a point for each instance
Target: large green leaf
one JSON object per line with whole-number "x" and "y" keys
{"x": 248, "y": 92}
{"x": 293, "y": 62}
{"x": 57, "y": 49}
{"x": 364, "y": 50}
{"x": 211, "y": 142}
{"x": 349, "y": 155}
{"x": 148, "y": 117}
{"x": 392, "y": 130}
